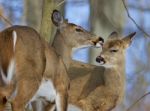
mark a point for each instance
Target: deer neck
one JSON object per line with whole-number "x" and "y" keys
{"x": 62, "y": 49}
{"x": 115, "y": 80}
{"x": 115, "y": 76}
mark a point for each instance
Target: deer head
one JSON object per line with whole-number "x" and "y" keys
{"x": 114, "y": 50}
{"x": 73, "y": 35}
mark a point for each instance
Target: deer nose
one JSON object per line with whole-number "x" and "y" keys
{"x": 99, "y": 41}
{"x": 100, "y": 59}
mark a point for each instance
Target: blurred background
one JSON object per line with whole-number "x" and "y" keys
{"x": 101, "y": 17}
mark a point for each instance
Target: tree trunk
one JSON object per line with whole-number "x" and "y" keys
{"x": 46, "y": 24}
{"x": 32, "y": 13}
{"x": 47, "y": 30}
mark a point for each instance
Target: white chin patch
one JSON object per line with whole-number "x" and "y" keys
{"x": 102, "y": 63}
{"x": 81, "y": 47}
{"x": 74, "y": 50}
{"x": 98, "y": 44}
{"x": 106, "y": 65}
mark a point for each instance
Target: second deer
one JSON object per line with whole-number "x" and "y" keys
{"x": 112, "y": 58}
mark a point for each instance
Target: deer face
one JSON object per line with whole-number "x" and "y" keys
{"x": 74, "y": 36}
{"x": 113, "y": 51}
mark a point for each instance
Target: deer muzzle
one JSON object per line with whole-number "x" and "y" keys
{"x": 98, "y": 42}
{"x": 100, "y": 60}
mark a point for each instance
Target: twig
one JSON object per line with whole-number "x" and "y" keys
{"x": 134, "y": 20}
{"x": 60, "y": 3}
{"x": 6, "y": 20}
{"x": 137, "y": 101}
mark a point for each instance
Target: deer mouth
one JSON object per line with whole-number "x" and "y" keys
{"x": 92, "y": 43}
{"x": 98, "y": 42}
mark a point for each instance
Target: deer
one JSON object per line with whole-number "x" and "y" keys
{"x": 84, "y": 94}
{"x": 69, "y": 38}
{"x": 112, "y": 58}
{"x": 29, "y": 70}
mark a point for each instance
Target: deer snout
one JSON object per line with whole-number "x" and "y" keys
{"x": 98, "y": 42}
{"x": 100, "y": 60}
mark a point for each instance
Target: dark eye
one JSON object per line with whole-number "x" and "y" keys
{"x": 79, "y": 30}
{"x": 114, "y": 50}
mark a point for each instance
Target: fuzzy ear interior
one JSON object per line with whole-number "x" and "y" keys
{"x": 128, "y": 39}
{"x": 113, "y": 35}
{"x": 57, "y": 18}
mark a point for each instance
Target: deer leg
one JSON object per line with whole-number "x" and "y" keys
{"x": 8, "y": 106}
{"x": 61, "y": 101}
{"x": 25, "y": 91}
{"x": 50, "y": 107}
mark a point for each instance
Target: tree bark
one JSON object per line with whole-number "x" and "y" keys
{"x": 32, "y": 13}
{"x": 46, "y": 24}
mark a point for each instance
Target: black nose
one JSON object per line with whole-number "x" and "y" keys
{"x": 101, "y": 39}
{"x": 100, "y": 59}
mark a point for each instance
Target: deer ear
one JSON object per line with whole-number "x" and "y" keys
{"x": 113, "y": 35}
{"x": 128, "y": 39}
{"x": 57, "y": 18}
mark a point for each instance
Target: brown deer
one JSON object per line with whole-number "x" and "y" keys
{"x": 29, "y": 70}
{"x": 89, "y": 90}
{"x": 112, "y": 58}
{"x": 69, "y": 37}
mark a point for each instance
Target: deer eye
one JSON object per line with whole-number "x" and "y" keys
{"x": 79, "y": 30}
{"x": 113, "y": 50}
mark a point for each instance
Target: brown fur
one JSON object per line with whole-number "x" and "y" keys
{"x": 7, "y": 54}
{"x": 94, "y": 88}
{"x": 70, "y": 36}
{"x": 110, "y": 94}
{"x": 34, "y": 60}
{"x": 67, "y": 37}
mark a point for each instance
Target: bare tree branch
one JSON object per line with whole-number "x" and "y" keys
{"x": 6, "y": 20}
{"x": 146, "y": 9}
{"x": 134, "y": 20}
{"x": 137, "y": 101}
